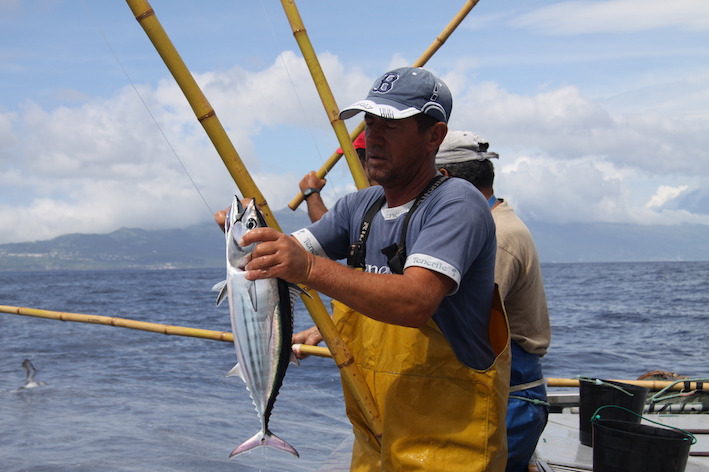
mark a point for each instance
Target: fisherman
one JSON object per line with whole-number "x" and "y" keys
{"x": 311, "y": 185}
{"x": 418, "y": 319}
{"x": 518, "y": 274}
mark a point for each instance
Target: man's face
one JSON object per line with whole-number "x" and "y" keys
{"x": 396, "y": 151}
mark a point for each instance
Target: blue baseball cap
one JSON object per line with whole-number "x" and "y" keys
{"x": 405, "y": 92}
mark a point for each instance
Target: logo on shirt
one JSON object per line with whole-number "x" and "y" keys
{"x": 373, "y": 269}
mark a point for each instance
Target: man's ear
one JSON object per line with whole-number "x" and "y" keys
{"x": 437, "y": 132}
{"x": 444, "y": 172}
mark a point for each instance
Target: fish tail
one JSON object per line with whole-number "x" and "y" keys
{"x": 264, "y": 438}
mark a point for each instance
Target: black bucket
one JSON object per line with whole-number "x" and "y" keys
{"x": 593, "y": 396}
{"x": 622, "y": 446}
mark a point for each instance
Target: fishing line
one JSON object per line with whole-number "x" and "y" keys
{"x": 295, "y": 91}
{"x": 169, "y": 144}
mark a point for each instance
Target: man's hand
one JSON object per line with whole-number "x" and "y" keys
{"x": 277, "y": 255}
{"x": 311, "y": 180}
{"x": 220, "y": 217}
{"x": 310, "y": 336}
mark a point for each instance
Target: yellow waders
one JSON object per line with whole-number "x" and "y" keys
{"x": 437, "y": 413}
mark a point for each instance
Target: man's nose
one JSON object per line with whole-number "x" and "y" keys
{"x": 373, "y": 132}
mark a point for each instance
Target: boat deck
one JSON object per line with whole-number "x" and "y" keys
{"x": 559, "y": 448}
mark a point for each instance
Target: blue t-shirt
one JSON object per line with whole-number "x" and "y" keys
{"x": 451, "y": 232}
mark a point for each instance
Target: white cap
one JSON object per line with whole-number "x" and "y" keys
{"x": 462, "y": 146}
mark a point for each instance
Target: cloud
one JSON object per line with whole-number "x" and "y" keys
{"x": 566, "y": 125}
{"x": 664, "y": 194}
{"x": 615, "y": 16}
{"x": 559, "y": 191}
{"x": 105, "y": 163}
{"x": 693, "y": 200}
{"x": 565, "y": 157}
{"x": 102, "y": 163}
{"x": 585, "y": 190}
{"x": 283, "y": 93}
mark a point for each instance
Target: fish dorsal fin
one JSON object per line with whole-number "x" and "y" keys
{"x": 295, "y": 291}
{"x": 236, "y": 370}
{"x": 221, "y": 288}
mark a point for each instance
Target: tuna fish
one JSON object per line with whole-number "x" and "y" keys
{"x": 262, "y": 322}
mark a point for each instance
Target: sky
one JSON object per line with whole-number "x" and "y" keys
{"x": 599, "y": 109}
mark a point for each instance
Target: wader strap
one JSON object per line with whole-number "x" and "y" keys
{"x": 396, "y": 253}
{"x": 357, "y": 253}
{"x": 525, "y": 386}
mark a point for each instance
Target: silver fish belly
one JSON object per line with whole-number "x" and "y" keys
{"x": 261, "y": 314}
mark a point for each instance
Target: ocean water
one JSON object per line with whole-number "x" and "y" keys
{"x": 123, "y": 400}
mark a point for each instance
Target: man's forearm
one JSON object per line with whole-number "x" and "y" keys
{"x": 409, "y": 299}
{"x": 316, "y": 207}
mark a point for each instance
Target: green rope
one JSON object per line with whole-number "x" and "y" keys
{"x": 656, "y": 398}
{"x": 607, "y": 384}
{"x": 597, "y": 417}
{"x": 533, "y": 401}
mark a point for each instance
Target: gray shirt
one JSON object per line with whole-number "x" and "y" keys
{"x": 452, "y": 233}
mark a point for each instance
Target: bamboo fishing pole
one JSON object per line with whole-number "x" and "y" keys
{"x": 343, "y": 358}
{"x": 120, "y": 323}
{"x": 309, "y": 350}
{"x": 420, "y": 62}
{"x": 200, "y": 105}
{"x": 326, "y": 167}
{"x": 207, "y": 117}
{"x": 654, "y": 385}
{"x": 326, "y": 96}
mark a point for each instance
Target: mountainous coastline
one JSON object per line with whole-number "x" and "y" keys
{"x": 199, "y": 246}
{"x": 202, "y": 246}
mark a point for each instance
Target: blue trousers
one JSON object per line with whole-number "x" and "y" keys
{"x": 525, "y": 420}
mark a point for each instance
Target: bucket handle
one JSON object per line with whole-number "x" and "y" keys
{"x": 597, "y": 417}
{"x": 607, "y": 384}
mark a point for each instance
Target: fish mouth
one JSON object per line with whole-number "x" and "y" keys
{"x": 231, "y": 217}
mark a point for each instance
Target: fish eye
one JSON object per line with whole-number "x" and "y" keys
{"x": 251, "y": 223}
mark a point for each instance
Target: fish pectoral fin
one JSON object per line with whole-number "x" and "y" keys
{"x": 236, "y": 370}
{"x": 253, "y": 295}
{"x": 223, "y": 292}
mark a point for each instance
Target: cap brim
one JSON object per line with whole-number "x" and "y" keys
{"x": 464, "y": 155}
{"x": 384, "y": 109}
